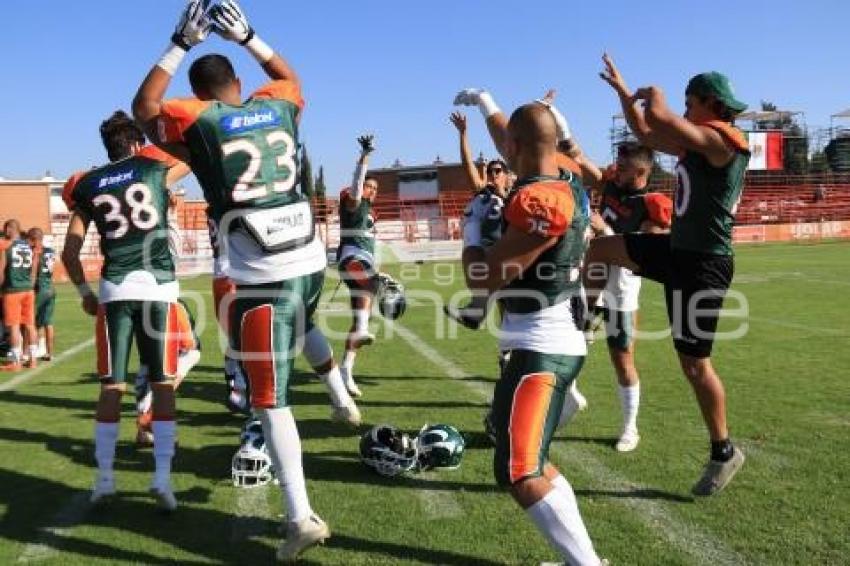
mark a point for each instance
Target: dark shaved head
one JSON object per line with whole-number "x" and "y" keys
{"x": 532, "y": 133}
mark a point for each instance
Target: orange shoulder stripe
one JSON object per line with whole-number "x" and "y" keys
{"x": 545, "y": 208}
{"x": 178, "y": 115}
{"x": 68, "y": 189}
{"x": 659, "y": 207}
{"x": 730, "y": 133}
{"x": 282, "y": 90}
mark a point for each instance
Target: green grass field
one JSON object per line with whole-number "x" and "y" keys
{"x": 788, "y": 394}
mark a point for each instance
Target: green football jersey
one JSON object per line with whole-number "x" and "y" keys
{"x": 245, "y": 157}
{"x": 624, "y": 211}
{"x": 128, "y": 202}
{"x": 547, "y": 207}
{"x": 46, "y": 262}
{"x": 19, "y": 258}
{"x": 357, "y": 226}
{"x": 707, "y": 198}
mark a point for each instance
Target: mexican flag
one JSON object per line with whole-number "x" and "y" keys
{"x": 765, "y": 150}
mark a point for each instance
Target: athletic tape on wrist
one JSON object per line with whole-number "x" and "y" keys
{"x": 171, "y": 58}
{"x": 261, "y": 50}
{"x": 487, "y": 105}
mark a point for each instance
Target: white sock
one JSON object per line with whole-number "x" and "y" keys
{"x": 42, "y": 345}
{"x": 285, "y": 450}
{"x": 33, "y": 350}
{"x": 164, "y": 433}
{"x": 317, "y": 350}
{"x": 361, "y": 320}
{"x": 558, "y": 518}
{"x": 16, "y": 354}
{"x": 630, "y": 401}
{"x": 336, "y": 388}
{"x": 105, "y": 440}
{"x": 348, "y": 359}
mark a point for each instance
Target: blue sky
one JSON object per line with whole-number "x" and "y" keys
{"x": 392, "y": 68}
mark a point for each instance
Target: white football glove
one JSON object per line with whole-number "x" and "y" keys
{"x": 193, "y": 27}
{"x": 480, "y": 98}
{"x": 468, "y": 97}
{"x": 230, "y": 22}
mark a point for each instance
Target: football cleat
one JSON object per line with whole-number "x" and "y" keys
{"x": 301, "y": 536}
{"x": 185, "y": 362}
{"x": 348, "y": 380}
{"x": 628, "y": 441}
{"x": 104, "y": 487}
{"x": 164, "y": 496}
{"x": 348, "y": 414}
{"x": 360, "y": 339}
{"x": 388, "y": 451}
{"x": 392, "y": 302}
{"x": 470, "y": 318}
{"x": 717, "y": 475}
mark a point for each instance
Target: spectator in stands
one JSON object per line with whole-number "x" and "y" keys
{"x": 820, "y": 193}
{"x": 497, "y": 176}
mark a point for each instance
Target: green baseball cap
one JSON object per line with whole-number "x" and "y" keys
{"x": 717, "y": 85}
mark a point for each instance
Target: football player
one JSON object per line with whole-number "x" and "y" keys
{"x": 128, "y": 202}
{"x": 244, "y": 156}
{"x": 694, "y": 261}
{"x": 45, "y": 294}
{"x": 19, "y": 265}
{"x": 534, "y": 266}
{"x": 626, "y": 207}
{"x": 356, "y": 257}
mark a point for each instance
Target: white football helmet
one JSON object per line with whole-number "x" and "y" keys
{"x": 251, "y": 465}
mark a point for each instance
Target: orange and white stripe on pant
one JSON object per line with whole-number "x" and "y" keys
{"x": 257, "y": 354}
{"x": 172, "y": 340}
{"x": 527, "y": 424}
{"x": 185, "y": 333}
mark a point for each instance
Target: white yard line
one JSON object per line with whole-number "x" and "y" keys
{"x": 63, "y": 521}
{"x": 438, "y": 503}
{"x": 250, "y": 512}
{"x": 701, "y": 546}
{"x": 44, "y": 366}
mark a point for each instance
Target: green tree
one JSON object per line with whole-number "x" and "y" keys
{"x": 307, "y": 186}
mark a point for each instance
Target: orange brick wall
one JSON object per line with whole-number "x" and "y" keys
{"x": 29, "y": 204}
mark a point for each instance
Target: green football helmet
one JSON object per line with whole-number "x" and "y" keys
{"x": 440, "y": 447}
{"x": 387, "y": 450}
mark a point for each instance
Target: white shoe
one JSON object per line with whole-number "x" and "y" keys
{"x": 301, "y": 536}
{"x": 186, "y": 361}
{"x": 103, "y": 489}
{"x": 348, "y": 380}
{"x": 164, "y": 496}
{"x": 362, "y": 338}
{"x": 628, "y": 440}
{"x": 348, "y": 414}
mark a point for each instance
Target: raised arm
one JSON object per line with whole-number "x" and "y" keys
{"x": 472, "y": 174}
{"x": 680, "y": 132}
{"x": 74, "y": 239}
{"x": 633, "y": 114}
{"x": 367, "y": 146}
{"x": 568, "y": 145}
{"x": 192, "y": 29}
{"x": 497, "y": 122}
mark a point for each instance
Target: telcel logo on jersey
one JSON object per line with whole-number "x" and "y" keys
{"x": 116, "y": 179}
{"x": 245, "y": 122}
